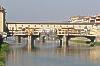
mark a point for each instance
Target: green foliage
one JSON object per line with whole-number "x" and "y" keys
{"x": 2, "y": 56}
{"x": 2, "y": 63}
{"x": 4, "y": 47}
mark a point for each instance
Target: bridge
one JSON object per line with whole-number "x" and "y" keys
{"x": 69, "y": 33}
{"x": 35, "y": 29}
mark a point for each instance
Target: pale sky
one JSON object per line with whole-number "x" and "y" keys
{"x": 49, "y": 10}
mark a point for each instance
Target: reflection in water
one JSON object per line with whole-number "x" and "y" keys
{"x": 49, "y": 55}
{"x": 95, "y": 55}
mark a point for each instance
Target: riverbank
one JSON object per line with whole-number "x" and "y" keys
{"x": 85, "y": 42}
{"x": 97, "y": 43}
{"x": 4, "y": 47}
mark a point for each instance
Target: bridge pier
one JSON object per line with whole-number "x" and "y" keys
{"x": 43, "y": 39}
{"x": 92, "y": 41}
{"x": 92, "y": 38}
{"x": 31, "y": 40}
{"x": 67, "y": 39}
{"x": 61, "y": 41}
{"x": 18, "y": 39}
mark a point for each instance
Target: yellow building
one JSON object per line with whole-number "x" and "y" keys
{"x": 2, "y": 19}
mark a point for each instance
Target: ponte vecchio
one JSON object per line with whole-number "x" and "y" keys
{"x": 58, "y": 28}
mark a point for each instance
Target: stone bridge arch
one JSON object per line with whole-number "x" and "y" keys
{"x": 91, "y": 38}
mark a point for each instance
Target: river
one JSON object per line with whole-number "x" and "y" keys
{"x": 48, "y": 54}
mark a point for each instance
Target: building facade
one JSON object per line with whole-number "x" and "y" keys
{"x": 85, "y": 19}
{"x": 79, "y": 19}
{"x": 2, "y": 19}
{"x": 38, "y": 26}
{"x": 76, "y": 22}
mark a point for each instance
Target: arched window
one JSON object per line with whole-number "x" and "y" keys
{"x": 47, "y": 25}
{"x": 41, "y": 25}
{"x": 12, "y": 28}
{"x": 28, "y": 25}
{"x": 23, "y": 29}
{"x": 35, "y": 25}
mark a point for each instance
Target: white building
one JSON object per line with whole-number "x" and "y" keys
{"x": 97, "y": 18}
{"x": 79, "y": 19}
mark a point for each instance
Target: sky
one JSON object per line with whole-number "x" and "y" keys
{"x": 49, "y": 10}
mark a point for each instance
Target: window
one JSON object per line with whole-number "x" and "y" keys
{"x": 41, "y": 25}
{"x": 97, "y": 19}
{"x": 23, "y": 29}
{"x": 19, "y": 27}
{"x": 98, "y": 16}
{"x": 92, "y": 21}
{"x": 35, "y": 25}
{"x": 28, "y": 25}
{"x": 93, "y": 17}
{"x": 47, "y": 25}
{"x": 12, "y": 28}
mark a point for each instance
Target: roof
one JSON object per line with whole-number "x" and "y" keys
{"x": 49, "y": 22}
{"x": 37, "y": 22}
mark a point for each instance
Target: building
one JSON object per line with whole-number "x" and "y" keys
{"x": 2, "y": 19}
{"x": 85, "y": 19}
{"x": 97, "y": 18}
{"x": 76, "y": 22}
{"x": 47, "y": 25}
{"x": 79, "y": 19}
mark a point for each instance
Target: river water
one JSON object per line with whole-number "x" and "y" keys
{"x": 48, "y": 54}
